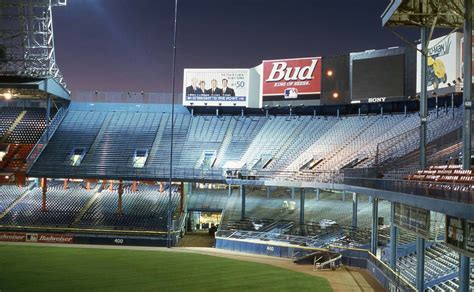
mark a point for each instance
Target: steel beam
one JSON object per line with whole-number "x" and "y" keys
{"x": 393, "y": 238}
{"x": 242, "y": 195}
{"x": 375, "y": 231}
{"x": 464, "y": 261}
{"x": 355, "y": 201}
{"x": 423, "y": 96}
{"x": 420, "y": 263}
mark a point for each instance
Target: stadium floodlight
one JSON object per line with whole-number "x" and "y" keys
{"x": 8, "y": 95}
{"x": 335, "y": 95}
{"x": 329, "y": 73}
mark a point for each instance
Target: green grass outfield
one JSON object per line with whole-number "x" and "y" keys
{"x": 40, "y": 268}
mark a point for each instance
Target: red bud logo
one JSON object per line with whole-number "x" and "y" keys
{"x": 280, "y": 70}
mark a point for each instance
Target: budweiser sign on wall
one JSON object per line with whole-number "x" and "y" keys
{"x": 291, "y": 77}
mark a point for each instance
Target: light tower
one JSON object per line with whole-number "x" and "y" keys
{"x": 27, "y": 39}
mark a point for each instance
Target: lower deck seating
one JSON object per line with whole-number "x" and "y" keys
{"x": 8, "y": 194}
{"x": 62, "y": 207}
{"x": 145, "y": 209}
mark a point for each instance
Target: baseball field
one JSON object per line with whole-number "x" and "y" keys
{"x": 41, "y": 268}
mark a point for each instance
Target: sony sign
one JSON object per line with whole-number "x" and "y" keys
{"x": 376, "y": 99}
{"x": 301, "y": 75}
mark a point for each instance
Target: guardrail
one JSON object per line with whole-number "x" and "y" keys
{"x": 44, "y": 139}
{"x": 127, "y": 173}
{"x": 463, "y": 193}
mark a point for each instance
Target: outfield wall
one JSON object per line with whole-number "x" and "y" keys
{"x": 72, "y": 238}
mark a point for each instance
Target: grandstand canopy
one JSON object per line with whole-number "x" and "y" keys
{"x": 27, "y": 87}
{"x": 438, "y": 13}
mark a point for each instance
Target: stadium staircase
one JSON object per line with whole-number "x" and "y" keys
{"x": 158, "y": 137}
{"x": 86, "y": 206}
{"x": 100, "y": 134}
{"x": 224, "y": 147}
{"x": 12, "y": 127}
{"x": 10, "y": 196}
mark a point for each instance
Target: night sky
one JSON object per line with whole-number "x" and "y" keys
{"x": 126, "y": 45}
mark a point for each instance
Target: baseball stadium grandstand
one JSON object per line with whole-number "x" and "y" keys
{"x": 330, "y": 169}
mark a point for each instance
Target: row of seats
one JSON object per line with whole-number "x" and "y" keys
{"x": 444, "y": 173}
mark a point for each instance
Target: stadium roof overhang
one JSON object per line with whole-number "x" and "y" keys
{"x": 26, "y": 87}
{"x": 428, "y": 13}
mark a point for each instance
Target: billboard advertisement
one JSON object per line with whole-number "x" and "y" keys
{"x": 443, "y": 64}
{"x": 288, "y": 79}
{"x": 216, "y": 87}
{"x": 382, "y": 75}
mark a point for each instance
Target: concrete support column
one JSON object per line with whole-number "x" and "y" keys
{"x": 393, "y": 238}
{"x": 268, "y": 192}
{"x": 355, "y": 202}
{"x": 420, "y": 263}
{"x": 302, "y": 200}
{"x": 292, "y": 193}
{"x": 242, "y": 195}
{"x": 375, "y": 228}
{"x": 120, "y": 193}
{"x": 190, "y": 189}
{"x": 343, "y": 196}
{"x": 229, "y": 190}
{"x": 44, "y": 186}
{"x": 318, "y": 194}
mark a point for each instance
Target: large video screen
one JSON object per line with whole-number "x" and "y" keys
{"x": 378, "y": 77}
{"x": 216, "y": 87}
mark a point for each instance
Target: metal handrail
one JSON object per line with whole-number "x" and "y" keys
{"x": 45, "y": 137}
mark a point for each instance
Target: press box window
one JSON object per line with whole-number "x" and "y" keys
{"x": 76, "y": 156}
{"x": 140, "y": 157}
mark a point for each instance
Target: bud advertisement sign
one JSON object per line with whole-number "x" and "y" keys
{"x": 291, "y": 77}
{"x": 443, "y": 63}
{"x": 216, "y": 87}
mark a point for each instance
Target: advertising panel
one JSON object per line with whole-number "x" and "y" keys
{"x": 290, "y": 78}
{"x": 443, "y": 64}
{"x": 455, "y": 235}
{"x": 12, "y": 237}
{"x": 470, "y": 237}
{"x": 413, "y": 219}
{"x": 216, "y": 87}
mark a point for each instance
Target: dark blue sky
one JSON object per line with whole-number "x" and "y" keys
{"x": 126, "y": 45}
